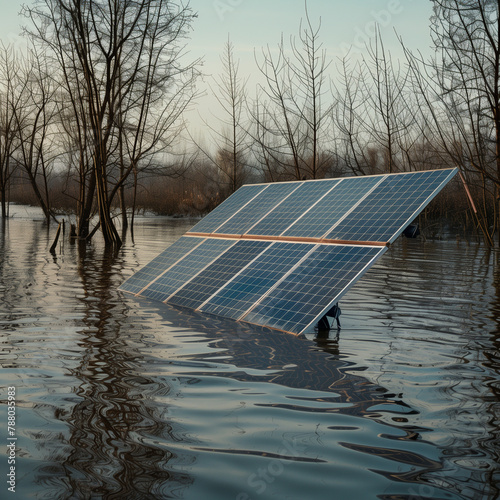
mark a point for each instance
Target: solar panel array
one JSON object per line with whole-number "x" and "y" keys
{"x": 281, "y": 254}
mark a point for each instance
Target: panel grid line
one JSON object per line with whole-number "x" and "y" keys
{"x": 170, "y": 267}
{"x": 303, "y": 259}
{"x": 311, "y": 207}
{"x": 200, "y": 307}
{"x": 200, "y": 271}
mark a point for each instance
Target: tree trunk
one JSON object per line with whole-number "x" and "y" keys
{"x": 134, "y": 201}
{"x": 109, "y": 232}
{"x": 86, "y": 202}
{"x": 43, "y": 205}
{"x": 3, "y": 194}
{"x": 123, "y": 208}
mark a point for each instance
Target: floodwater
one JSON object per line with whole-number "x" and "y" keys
{"x": 122, "y": 398}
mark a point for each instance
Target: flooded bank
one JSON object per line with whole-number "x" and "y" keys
{"x": 124, "y": 398}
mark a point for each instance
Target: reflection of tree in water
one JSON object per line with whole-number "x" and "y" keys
{"x": 110, "y": 426}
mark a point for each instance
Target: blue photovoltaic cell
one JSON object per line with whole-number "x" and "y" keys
{"x": 186, "y": 268}
{"x": 319, "y": 220}
{"x": 311, "y": 287}
{"x": 390, "y": 207}
{"x": 159, "y": 264}
{"x": 247, "y": 288}
{"x": 257, "y": 208}
{"x": 286, "y": 213}
{"x": 230, "y": 206}
{"x": 218, "y": 274}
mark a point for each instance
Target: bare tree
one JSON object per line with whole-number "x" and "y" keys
{"x": 229, "y": 146}
{"x": 277, "y": 132}
{"x": 349, "y": 114}
{"x": 310, "y": 73}
{"x": 9, "y": 100}
{"x": 231, "y": 95}
{"x": 153, "y": 93}
{"x": 289, "y": 113}
{"x": 389, "y": 117}
{"x": 34, "y": 118}
{"x": 123, "y": 75}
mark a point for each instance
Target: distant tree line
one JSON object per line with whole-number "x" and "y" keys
{"x": 91, "y": 114}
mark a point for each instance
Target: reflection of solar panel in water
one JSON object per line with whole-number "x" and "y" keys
{"x": 280, "y": 255}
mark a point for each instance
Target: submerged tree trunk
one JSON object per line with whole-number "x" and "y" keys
{"x": 3, "y": 194}
{"x": 41, "y": 202}
{"x": 4, "y": 203}
{"x": 134, "y": 201}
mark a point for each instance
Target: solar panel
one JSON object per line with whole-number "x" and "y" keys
{"x": 281, "y": 255}
{"x": 257, "y": 208}
{"x": 390, "y": 207}
{"x": 294, "y": 206}
{"x": 228, "y": 208}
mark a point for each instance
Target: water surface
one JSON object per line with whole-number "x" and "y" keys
{"x": 125, "y": 398}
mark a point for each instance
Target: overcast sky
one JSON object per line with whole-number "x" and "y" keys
{"x": 253, "y": 24}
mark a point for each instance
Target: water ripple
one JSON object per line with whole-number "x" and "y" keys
{"x": 125, "y": 398}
